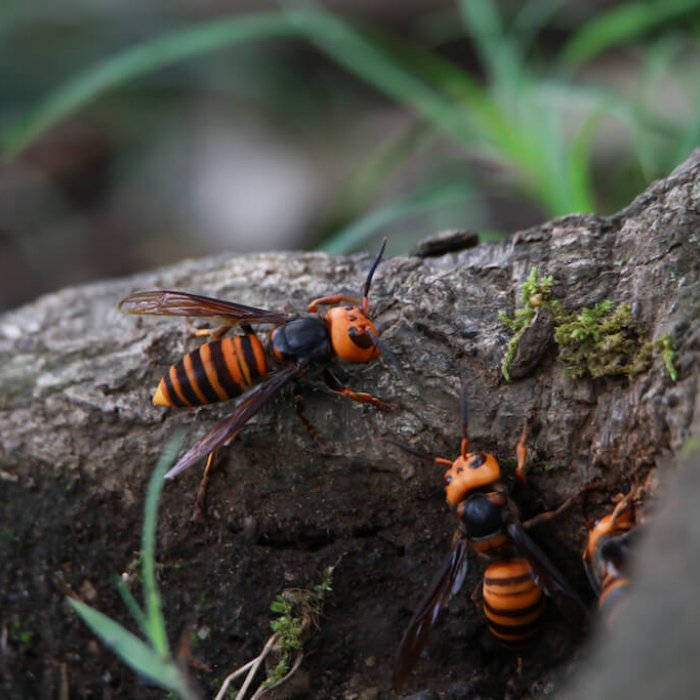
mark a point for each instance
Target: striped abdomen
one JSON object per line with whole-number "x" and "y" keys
{"x": 489, "y": 547}
{"x": 615, "y": 592}
{"x": 513, "y": 601}
{"x": 216, "y": 371}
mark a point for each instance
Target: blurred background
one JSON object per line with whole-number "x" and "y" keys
{"x": 133, "y": 135}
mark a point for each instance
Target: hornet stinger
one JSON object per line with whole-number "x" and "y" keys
{"x": 246, "y": 366}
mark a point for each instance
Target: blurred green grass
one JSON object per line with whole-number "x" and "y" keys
{"x": 149, "y": 657}
{"x": 532, "y": 119}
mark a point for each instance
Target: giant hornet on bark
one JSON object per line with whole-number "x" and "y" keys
{"x": 518, "y": 573}
{"x": 607, "y": 553}
{"x": 247, "y": 367}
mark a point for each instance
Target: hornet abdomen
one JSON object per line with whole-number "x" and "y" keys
{"x": 513, "y": 601}
{"x": 215, "y": 371}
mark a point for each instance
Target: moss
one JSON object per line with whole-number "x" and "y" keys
{"x": 296, "y": 610}
{"x": 602, "y": 341}
{"x": 663, "y": 345}
{"x": 535, "y": 292}
{"x": 510, "y": 355}
{"x": 289, "y": 628}
{"x": 596, "y": 342}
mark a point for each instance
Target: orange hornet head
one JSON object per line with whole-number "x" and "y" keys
{"x": 468, "y": 472}
{"x": 471, "y": 470}
{"x": 622, "y": 519}
{"x": 353, "y": 335}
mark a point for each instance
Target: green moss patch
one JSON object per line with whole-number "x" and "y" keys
{"x": 594, "y": 342}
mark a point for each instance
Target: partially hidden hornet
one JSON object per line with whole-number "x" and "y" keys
{"x": 246, "y": 366}
{"x": 518, "y": 573}
{"x": 607, "y": 553}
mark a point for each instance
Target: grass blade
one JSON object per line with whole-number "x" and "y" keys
{"x": 346, "y": 46}
{"x": 157, "y": 634}
{"x": 431, "y": 199}
{"x": 369, "y": 60}
{"x": 531, "y": 18}
{"x": 619, "y": 25}
{"x": 132, "y": 605}
{"x": 361, "y": 189}
{"x": 443, "y": 94}
{"x": 579, "y": 169}
{"x": 135, "y": 62}
{"x": 151, "y": 659}
{"x": 501, "y": 122}
{"x": 497, "y": 50}
{"x": 133, "y": 651}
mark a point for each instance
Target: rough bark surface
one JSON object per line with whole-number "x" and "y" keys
{"x": 79, "y": 437}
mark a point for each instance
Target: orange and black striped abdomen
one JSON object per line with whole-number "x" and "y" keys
{"x": 489, "y": 547}
{"x": 215, "y": 371}
{"x": 513, "y": 601}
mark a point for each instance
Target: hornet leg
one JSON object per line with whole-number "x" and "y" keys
{"x": 551, "y": 514}
{"x": 359, "y": 396}
{"x": 200, "y": 500}
{"x": 213, "y": 333}
{"x": 310, "y": 427}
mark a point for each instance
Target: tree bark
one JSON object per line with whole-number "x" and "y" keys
{"x": 79, "y": 437}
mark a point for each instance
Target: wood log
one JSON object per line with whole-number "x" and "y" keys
{"x": 79, "y": 438}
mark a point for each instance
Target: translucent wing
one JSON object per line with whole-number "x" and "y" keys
{"x": 447, "y": 582}
{"x": 565, "y": 597}
{"x": 164, "y": 302}
{"x": 227, "y": 428}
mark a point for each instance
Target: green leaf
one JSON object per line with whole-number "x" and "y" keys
{"x": 133, "y": 651}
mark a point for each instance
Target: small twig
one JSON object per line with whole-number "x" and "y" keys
{"x": 251, "y": 674}
{"x": 252, "y": 665}
{"x": 231, "y": 677}
{"x": 64, "y": 692}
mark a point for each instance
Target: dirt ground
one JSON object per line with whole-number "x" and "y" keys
{"x": 266, "y": 529}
